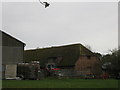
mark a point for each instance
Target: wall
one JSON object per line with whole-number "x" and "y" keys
{"x": 12, "y": 53}
{"x": 12, "y": 49}
{"x": 90, "y": 64}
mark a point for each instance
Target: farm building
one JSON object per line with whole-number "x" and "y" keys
{"x": 12, "y": 53}
{"x": 73, "y": 57}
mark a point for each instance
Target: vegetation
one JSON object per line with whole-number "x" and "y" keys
{"x": 111, "y": 62}
{"x": 61, "y": 83}
{"x": 69, "y": 54}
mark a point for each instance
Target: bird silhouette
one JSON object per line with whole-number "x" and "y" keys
{"x": 46, "y": 4}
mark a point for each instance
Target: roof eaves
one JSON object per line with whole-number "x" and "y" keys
{"x": 13, "y": 37}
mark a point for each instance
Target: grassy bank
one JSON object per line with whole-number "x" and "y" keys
{"x": 61, "y": 83}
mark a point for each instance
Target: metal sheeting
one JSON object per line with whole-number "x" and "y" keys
{"x": 12, "y": 49}
{"x": 12, "y": 55}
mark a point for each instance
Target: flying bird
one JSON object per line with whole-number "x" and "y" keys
{"x": 46, "y": 4}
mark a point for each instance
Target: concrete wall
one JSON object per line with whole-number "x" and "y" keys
{"x": 10, "y": 71}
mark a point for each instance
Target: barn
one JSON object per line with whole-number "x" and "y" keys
{"x": 70, "y": 58}
{"x": 12, "y": 53}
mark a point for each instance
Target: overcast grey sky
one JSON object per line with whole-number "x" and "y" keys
{"x": 88, "y": 23}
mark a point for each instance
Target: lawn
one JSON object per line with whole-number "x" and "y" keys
{"x": 61, "y": 83}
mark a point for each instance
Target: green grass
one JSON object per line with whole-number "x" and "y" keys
{"x": 61, "y": 83}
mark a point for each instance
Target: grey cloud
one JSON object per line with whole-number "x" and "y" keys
{"x": 63, "y": 23}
